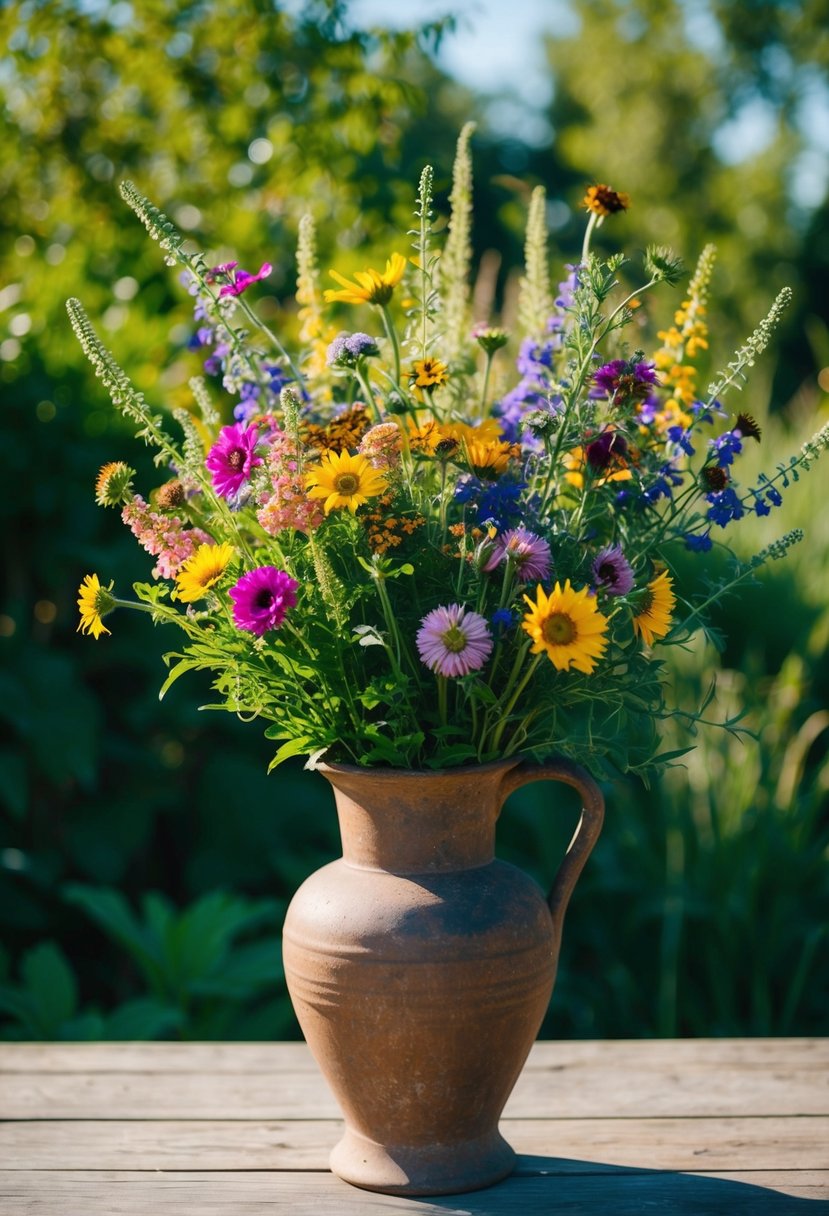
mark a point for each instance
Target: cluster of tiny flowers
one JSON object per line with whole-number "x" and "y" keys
{"x": 287, "y": 504}
{"x": 347, "y": 348}
{"x": 164, "y": 537}
{"x": 382, "y": 445}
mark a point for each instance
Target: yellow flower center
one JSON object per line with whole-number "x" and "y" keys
{"x": 558, "y": 629}
{"x": 454, "y": 639}
{"x": 346, "y": 483}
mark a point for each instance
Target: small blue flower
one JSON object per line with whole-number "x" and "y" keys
{"x": 725, "y": 506}
{"x": 727, "y": 446}
{"x": 681, "y": 438}
{"x": 502, "y": 620}
{"x": 774, "y": 496}
{"x": 698, "y": 542}
{"x": 761, "y": 507}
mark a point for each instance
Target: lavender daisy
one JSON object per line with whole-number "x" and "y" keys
{"x": 530, "y": 554}
{"x": 612, "y": 572}
{"x": 453, "y": 641}
{"x": 261, "y": 599}
{"x": 232, "y": 458}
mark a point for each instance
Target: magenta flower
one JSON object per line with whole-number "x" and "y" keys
{"x": 453, "y": 641}
{"x": 232, "y": 458}
{"x": 612, "y": 572}
{"x": 261, "y": 599}
{"x": 624, "y": 380}
{"x": 530, "y": 554}
{"x": 240, "y": 280}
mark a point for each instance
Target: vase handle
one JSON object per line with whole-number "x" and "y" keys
{"x": 587, "y": 830}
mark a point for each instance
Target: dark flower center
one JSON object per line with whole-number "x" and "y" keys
{"x": 454, "y": 639}
{"x": 558, "y": 629}
{"x": 236, "y": 458}
{"x": 346, "y": 483}
{"x": 607, "y": 572}
{"x": 264, "y": 598}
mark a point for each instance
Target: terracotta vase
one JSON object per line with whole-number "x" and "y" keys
{"x": 420, "y": 969}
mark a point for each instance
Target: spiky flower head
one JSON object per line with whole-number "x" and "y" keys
{"x": 529, "y": 554}
{"x": 612, "y": 572}
{"x": 113, "y": 485}
{"x": 171, "y": 495}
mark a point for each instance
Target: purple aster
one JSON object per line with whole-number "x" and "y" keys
{"x": 453, "y": 641}
{"x": 612, "y": 572}
{"x": 530, "y": 554}
{"x": 261, "y": 599}
{"x": 232, "y": 458}
{"x": 624, "y": 380}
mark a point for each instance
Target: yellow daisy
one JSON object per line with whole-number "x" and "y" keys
{"x": 94, "y": 602}
{"x": 344, "y": 481}
{"x": 653, "y": 619}
{"x": 567, "y": 626}
{"x": 371, "y": 286}
{"x": 428, "y": 373}
{"x": 490, "y": 459}
{"x": 202, "y": 571}
{"x": 604, "y": 201}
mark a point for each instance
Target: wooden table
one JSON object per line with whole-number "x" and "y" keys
{"x": 736, "y": 1126}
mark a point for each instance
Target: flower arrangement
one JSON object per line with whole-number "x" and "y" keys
{"x": 400, "y": 553}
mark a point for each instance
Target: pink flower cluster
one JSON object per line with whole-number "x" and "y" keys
{"x": 287, "y": 506}
{"x": 163, "y": 536}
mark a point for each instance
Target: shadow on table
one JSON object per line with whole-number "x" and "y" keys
{"x": 556, "y": 1186}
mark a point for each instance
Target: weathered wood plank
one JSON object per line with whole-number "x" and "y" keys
{"x": 764, "y": 1193}
{"x": 549, "y": 1146}
{"x": 578, "y": 1090}
{"x": 686, "y": 1054}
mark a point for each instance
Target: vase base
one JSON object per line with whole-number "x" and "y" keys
{"x": 439, "y": 1169}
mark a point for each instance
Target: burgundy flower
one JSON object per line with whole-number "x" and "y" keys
{"x": 610, "y": 445}
{"x": 261, "y": 599}
{"x": 232, "y": 458}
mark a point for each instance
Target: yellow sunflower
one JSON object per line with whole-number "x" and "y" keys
{"x": 567, "y": 626}
{"x": 428, "y": 373}
{"x": 344, "y": 481}
{"x": 653, "y": 619}
{"x": 94, "y": 602}
{"x": 371, "y": 286}
{"x": 202, "y": 571}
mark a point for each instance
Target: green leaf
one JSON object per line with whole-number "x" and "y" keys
{"x": 50, "y": 982}
{"x": 144, "y": 1018}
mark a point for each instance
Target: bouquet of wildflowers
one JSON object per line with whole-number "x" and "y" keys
{"x": 402, "y": 553}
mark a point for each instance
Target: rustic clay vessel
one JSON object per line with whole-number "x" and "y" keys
{"x": 420, "y": 969}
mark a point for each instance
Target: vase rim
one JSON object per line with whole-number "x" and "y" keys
{"x": 460, "y": 769}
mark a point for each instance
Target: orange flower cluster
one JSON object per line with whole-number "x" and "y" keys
{"x": 385, "y": 531}
{"x": 342, "y": 434}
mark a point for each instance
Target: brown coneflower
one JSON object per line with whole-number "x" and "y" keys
{"x": 714, "y": 478}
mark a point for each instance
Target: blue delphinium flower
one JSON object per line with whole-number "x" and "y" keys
{"x": 725, "y": 506}
{"x": 727, "y": 446}
{"x": 496, "y": 502}
{"x": 698, "y": 542}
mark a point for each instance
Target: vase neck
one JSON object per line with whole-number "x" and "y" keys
{"x": 418, "y": 822}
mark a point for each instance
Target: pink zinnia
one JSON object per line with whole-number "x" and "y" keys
{"x": 453, "y": 641}
{"x": 261, "y": 599}
{"x": 232, "y": 458}
{"x": 530, "y": 553}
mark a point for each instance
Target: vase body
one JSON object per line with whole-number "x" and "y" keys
{"x": 420, "y": 969}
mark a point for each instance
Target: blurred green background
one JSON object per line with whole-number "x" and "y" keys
{"x": 145, "y": 858}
